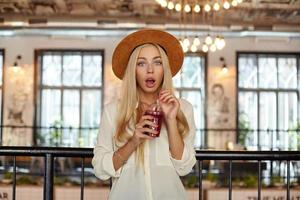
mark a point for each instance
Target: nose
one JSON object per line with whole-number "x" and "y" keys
{"x": 150, "y": 68}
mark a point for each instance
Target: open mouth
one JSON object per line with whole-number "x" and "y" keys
{"x": 150, "y": 82}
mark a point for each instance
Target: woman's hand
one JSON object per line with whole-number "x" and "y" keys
{"x": 169, "y": 104}
{"x": 140, "y": 129}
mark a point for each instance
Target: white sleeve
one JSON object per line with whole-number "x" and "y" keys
{"x": 188, "y": 159}
{"x": 103, "y": 152}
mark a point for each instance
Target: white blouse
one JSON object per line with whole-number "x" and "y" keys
{"x": 159, "y": 180}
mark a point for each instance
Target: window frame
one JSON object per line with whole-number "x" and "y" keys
{"x": 203, "y": 143}
{"x": 38, "y": 82}
{"x": 2, "y": 87}
{"x": 258, "y": 90}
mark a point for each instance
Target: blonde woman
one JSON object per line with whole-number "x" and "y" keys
{"x": 141, "y": 166}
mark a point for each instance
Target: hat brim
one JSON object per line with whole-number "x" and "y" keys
{"x": 167, "y": 41}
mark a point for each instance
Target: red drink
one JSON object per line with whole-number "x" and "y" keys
{"x": 158, "y": 115}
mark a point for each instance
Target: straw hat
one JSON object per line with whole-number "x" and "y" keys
{"x": 167, "y": 41}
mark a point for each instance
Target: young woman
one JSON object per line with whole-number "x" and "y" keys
{"x": 143, "y": 167}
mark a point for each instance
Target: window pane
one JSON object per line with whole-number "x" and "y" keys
{"x": 287, "y": 68}
{"x": 50, "y": 116}
{"x": 50, "y": 107}
{"x": 267, "y": 72}
{"x": 0, "y": 103}
{"x": 92, "y": 70}
{"x": 72, "y": 70}
{"x": 51, "y": 70}
{"x": 248, "y": 71}
{"x": 91, "y": 111}
{"x": 192, "y": 72}
{"x": 248, "y": 118}
{"x": 194, "y": 98}
{"x": 267, "y": 116}
{"x": 177, "y": 79}
{"x": 1, "y": 68}
{"x": 71, "y": 108}
{"x": 287, "y": 119}
{"x": 70, "y": 117}
{"x": 288, "y": 110}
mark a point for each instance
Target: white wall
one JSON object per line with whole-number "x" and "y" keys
{"x": 25, "y": 46}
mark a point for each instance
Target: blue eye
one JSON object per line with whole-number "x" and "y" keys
{"x": 158, "y": 62}
{"x": 141, "y": 64}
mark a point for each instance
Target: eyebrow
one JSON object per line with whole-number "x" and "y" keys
{"x": 146, "y": 59}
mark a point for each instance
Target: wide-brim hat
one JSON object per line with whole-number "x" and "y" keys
{"x": 168, "y": 42}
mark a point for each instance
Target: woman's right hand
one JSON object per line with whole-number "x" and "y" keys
{"x": 140, "y": 129}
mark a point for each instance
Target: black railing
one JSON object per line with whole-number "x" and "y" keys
{"x": 258, "y": 156}
{"x": 49, "y": 153}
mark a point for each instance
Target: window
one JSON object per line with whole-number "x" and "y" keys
{"x": 70, "y": 96}
{"x": 1, "y": 86}
{"x": 190, "y": 85}
{"x": 268, "y": 100}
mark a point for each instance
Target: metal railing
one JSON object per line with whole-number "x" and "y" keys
{"x": 49, "y": 153}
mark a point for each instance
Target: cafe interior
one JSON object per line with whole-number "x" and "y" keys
{"x": 241, "y": 73}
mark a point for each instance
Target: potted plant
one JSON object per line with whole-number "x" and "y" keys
{"x": 276, "y": 181}
{"x": 294, "y": 137}
{"x": 56, "y": 133}
{"x": 7, "y": 178}
{"x": 243, "y": 129}
{"x": 210, "y": 180}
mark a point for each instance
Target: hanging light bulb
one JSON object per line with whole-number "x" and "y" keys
{"x": 208, "y": 40}
{"x": 221, "y": 44}
{"x": 239, "y": 1}
{"x": 187, "y": 8}
{"x": 196, "y": 41}
{"x": 216, "y": 6}
{"x": 171, "y": 5}
{"x": 226, "y": 5}
{"x": 224, "y": 69}
{"x": 193, "y": 48}
{"x": 213, "y": 48}
{"x": 207, "y": 7}
{"x": 205, "y": 48}
{"x": 197, "y": 8}
{"x": 178, "y": 7}
{"x": 217, "y": 40}
{"x": 234, "y": 3}
{"x": 186, "y": 42}
{"x": 164, "y": 3}
{"x": 185, "y": 49}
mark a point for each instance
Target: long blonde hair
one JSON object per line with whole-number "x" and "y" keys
{"x": 129, "y": 112}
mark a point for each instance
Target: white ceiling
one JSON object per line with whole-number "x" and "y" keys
{"x": 251, "y": 15}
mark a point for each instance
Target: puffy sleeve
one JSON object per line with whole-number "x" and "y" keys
{"x": 188, "y": 159}
{"x": 103, "y": 152}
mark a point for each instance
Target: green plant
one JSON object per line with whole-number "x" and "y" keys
{"x": 25, "y": 180}
{"x": 211, "y": 177}
{"x": 250, "y": 181}
{"x": 190, "y": 181}
{"x": 244, "y": 130}
{"x": 8, "y": 175}
{"x": 275, "y": 180}
{"x": 56, "y": 132}
{"x": 294, "y": 137}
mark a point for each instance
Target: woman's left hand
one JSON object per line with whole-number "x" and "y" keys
{"x": 169, "y": 104}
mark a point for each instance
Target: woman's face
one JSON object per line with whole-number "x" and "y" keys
{"x": 149, "y": 69}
